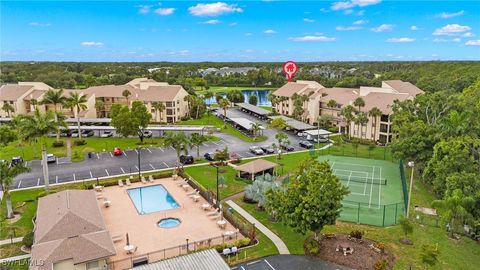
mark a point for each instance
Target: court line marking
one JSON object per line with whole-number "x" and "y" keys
{"x": 371, "y": 191}
{"x": 254, "y": 262}
{"x": 98, "y": 156}
{"x": 348, "y": 183}
{"x": 137, "y": 167}
{"x": 353, "y": 164}
{"x": 161, "y": 149}
{"x": 123, "y": 171}
{"x": 165, "y": 164}
{"x": 242, "y": 267}
{"x": 136, "y": 151}
{"x": 172, "y": 148}
{"x": 380, "y": 189}
{"x": 91, "y": 175}
{"x": 153, "y": 168}
{"x": 269, "y": 264}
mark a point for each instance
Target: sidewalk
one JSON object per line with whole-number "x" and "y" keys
{"x": 282, "y": 248}
{"x": 8, "y": 241}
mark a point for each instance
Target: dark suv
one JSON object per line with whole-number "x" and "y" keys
{"x": 268, "y": 149}
{"x": 186, "y": 159}
{"x": 306, "y": 144}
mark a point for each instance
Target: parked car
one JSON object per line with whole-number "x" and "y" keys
{"x": 51, "y": 158}
{"x": 306, "y": 144}
{"x": 209, "y": 156}
{"x": 117, "y": 151}
{"x": 321, "y": 139}
{"x": 65, "y": 133}
{"x": 186, "y": 159}
{"x": 147, "y": 134}
{"x": 87, "y": 133}
{"x": 287, "y": 148}
{"x": 16, "y": 160}
{"x": 106, "y": 134}
{"x": 74, "y": 134}
{"x": 256, "y": 150}
{"x": 52, "y": 134}
{"x": 268, "y": 149}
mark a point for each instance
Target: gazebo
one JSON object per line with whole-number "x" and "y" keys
{"x": 254, "y": 168}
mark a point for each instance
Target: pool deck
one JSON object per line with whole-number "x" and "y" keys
{"x": 122, "y": 217}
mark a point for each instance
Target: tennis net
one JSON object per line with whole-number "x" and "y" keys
{"x": 362, "y": 179}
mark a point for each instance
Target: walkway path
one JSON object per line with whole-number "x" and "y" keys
{"x": 16, "y": 258}
{"x": 9, "y": 241}
{"x": 282, "y": 248}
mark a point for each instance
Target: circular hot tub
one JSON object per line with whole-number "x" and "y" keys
{"x": 168, "y": 222}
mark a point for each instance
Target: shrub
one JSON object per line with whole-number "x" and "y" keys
{"x": 58, "y": 144}
{"x": 356, "y": 234}
{"x": 28, "y": 240}
{"x": 242, "y": 242}
{"x": 380, "y": 246}
{"x": 380, "y": 265}
{"x": 312, "y": 246}
{"x": 80, "y": 142}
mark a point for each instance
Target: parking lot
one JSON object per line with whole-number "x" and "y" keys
{"x": 288, "y": 262}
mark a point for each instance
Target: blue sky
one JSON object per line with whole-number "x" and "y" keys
{"x": 344, "y": 30}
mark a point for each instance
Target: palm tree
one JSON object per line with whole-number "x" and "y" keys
{"x": 178, "y": 140}
{"x": 7, "y": 174}
{"x": 208, "y": 95}
{"x": 54, "y": 97}
{"x": 454, "y": 209}
{"x": 361, "y": 120}
{"x": 7, "y": 107}
{"x": 347, "y": 113}
{"x": 196, "y": 140}
{"x": 189, "y": 99}
{"x": 99, "y": 107}
{"x": 159, "y": 107}
{"x": 77, "y": 101}
{"x": 332, "y": 104}
{"x": 34, "y": 103}
{"x": 255, "y": 127}
{"x": 375, "y": 112}
{"x": 126, "y": 94}
{"x": 359, "y": 102}
{"x": 224, "y": 104}
{"x": 32, "y": 127}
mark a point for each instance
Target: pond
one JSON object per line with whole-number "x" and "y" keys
{"x": 262, "y": 96}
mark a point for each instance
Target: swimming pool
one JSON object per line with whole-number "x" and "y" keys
{"x": 151, "y": 199}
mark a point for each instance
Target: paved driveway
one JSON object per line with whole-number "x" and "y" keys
{"x": 288, "y": 262}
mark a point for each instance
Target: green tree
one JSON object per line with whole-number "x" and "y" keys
{"x": 37, "y": 126}
{"x": 282, "y": 139}
{"x": 453, "y": 209}
{"x": 130, "y": 122}
{"x": 375, "y": 112}
{"x": 7, "y": 135}
{"x": 8, "y": 108}
{"x": 159, "y": 108}
{"x": 332, "y": 104}
{"x": 311, "y": 200}
{"x": 429, "y": 255}
{"x": 179, "y": 141}
{"x": 235, "y": 96}
{"x": 224, "y": 104}
{"x": 359, "y": 102}
{"x": 297, "y": 106}
{"x": 126, "y": 94}
{"x": 208, "y": 95}
{"x": 253, "y": 100}
{"x": 406, "y": 225}
{"x": 325, "y": 121}
{"x": 222, "y": 155}
{"x": 7, "y": 174}
{"x": 99, "y": 107}
{"x": 347, "y": 113}
{"x": 78, "y": 101}
{"x": 55, "y": 98}
{"x": 360, "y": 121}
{"x": 196, "y": 140}
{"x": 255, "y": 128}
{"x": 279, "y": 123}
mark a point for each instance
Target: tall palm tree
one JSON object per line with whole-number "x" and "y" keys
{"x": 189, "y": 99}
{"x": 7, "y": 174}
{"x": 255, "y": 127}
{"x": 159, "y": 107}
{"x": 360, "y": 120}
{"x": 375, "y": 112}
{"x": 224, "y": 104}
{"x": 347, "y": 113}
{"x": 34, "y": 103}
{"x": 126, "y": 94}
{"x": 332, "y": 104}
{"x": 78, "y": 101}
{"x": 179, "y": 141}
{"x": 55, "y": 98}
{"x": 359, "y": 102}
{"x": 37, "y": 126}
{"x": 8, "y": 108}
{"x": 99, "y": 107}
{"x": 208, "y": 95}
{"x": 196, "y": 140}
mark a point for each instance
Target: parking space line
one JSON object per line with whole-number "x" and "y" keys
{"x": 148, "y": 149}
{"x": 161, "y": 149}
{"x": 136, "y": 167}
{"x": 153, "y": 168}
{"x": 215, "y": 143}
{"x": 38, "y": 181}
{"x": 125, "y": 154}
{"x": 136, "y": 151}
{"x": 242, "y": 267}
{"x": 165, "y": 164}
{"x": 269, "y": 264}
{"x": 56, "y": 179}
{"x": 107, "y": 172}
{"x": 111, "y": 154}
{"x": 74, "y": 177}
{"x": 98, "y": 156}
{"x": 254, "y": 262}
{"x": 19, "y": 183}
{"x": 91, "y": 175}
{"x": 172, "y": 148}
{"x": 206, "y": 144}
{"x": 123, "y": 171}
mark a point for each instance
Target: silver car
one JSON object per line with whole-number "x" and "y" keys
{"x": 256, "y": 150}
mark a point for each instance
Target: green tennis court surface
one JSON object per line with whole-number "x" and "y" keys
{"x": 375, "y": 186}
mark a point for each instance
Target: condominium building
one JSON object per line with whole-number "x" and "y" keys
{"x": 24, "y": 97}
{"x": 315, "y": 102}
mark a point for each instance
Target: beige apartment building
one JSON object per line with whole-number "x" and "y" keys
{"x": 25, "y": 96}
{"x": 316, "y": 97}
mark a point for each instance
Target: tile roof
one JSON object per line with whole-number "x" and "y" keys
{"x": 255, "y": 166}
{"x": 343, "y": 96}
{"x": 289, "y": 89}
{"x": 383, "y": 101}
{"x": 12, "y": 92}
{"x": 110, "y": 91}
{"x": 204, "y": 260}
{"x": 159, "y": 93}
{"x": 404, "y": 87}
{"x": 35, "y": 94}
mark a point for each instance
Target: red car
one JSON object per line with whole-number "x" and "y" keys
{"x": 117, "y": 151}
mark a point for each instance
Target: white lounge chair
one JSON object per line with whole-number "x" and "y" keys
{"x": 120, "y": 183}
{"x": 184, "y": 182}
{"x": 195, "y": 192}
{"x": 211, "y": 213}
{"x": 215, "y": 217}
{"x": 107, "y": 203}
{"x": 143, "y": 180}
{"x": 128, "y": 182}
{"x": 150, "y": 178}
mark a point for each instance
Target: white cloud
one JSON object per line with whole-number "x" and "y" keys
{"x": 383, "y": 28}
{"x": 233, "y": 24}
{"x": 468, "y": 34}
{"x": 446, "y": 40}
{"x": 92, "y": 44}
{"x": 446, "y": 15}
{"x": 307, "y": 20}
{"x": 248, "y": 34}
{"x": 361, "y": 13}
{"x": 348, "y": 11}
{"x": 211, "y": 22}
{"x": 353, "y": 3}
{"x": 360, "y": 22}
{"x": 270, "y": 31}
{"x": 213, "y": 9}
{"x": 324, "y": 10}
{"x": 473, "y": 42}
{"x": 312, "y": 38}
{"x": 347, "y": 28}
{"x": 414, "y": 28}
{"x": 39, "y": 24}
{"x": 164, "y": 11}
{"x": 144, "y": 9}
{"x": 400, "y": 40}
{"x": 451, "y": 30}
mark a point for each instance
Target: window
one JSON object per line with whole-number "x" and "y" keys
{"x": 152, "y": 110}
{"x": 383, "y": 128}
{"x": 170, "y": 111}
{"x": 92, "y": 265}
{"x": 169, "y": 104}
{"x": 178, "y": 109}
{"x": 178, "y": 101}
{"x": 384, "y": 118}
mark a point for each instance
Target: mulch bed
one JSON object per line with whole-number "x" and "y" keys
{"x": 363, "y": 256}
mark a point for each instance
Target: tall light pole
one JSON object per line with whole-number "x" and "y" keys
{"x": 218, "y": 193}
{"x": 411, "y": 164}
{"x": 139, "y": 173}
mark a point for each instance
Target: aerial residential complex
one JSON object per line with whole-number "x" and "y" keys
{"x": 316, "y": 98}
{"x": 25, "y": 96}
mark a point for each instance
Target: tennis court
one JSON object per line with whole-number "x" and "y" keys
{"x": 376, "y": 196}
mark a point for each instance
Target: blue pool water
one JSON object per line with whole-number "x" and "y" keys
{"x": 152, "y": 199}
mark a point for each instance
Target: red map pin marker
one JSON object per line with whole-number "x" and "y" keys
{"x": 290, "y": 68}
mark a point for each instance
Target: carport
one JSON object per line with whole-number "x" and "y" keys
{"x": 244, "y": 123}
{"x": 254, "y": 168}
{"x": 253, "y": 110}
{"x": 204, "y": 260}
{"x": 314, "y": 134}
{"x": 294, "y": 124}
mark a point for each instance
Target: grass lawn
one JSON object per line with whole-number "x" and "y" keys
{"x": 217, "y": 122}
{"x": 11, "y": 250}
{"x": 217, "y": 89}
